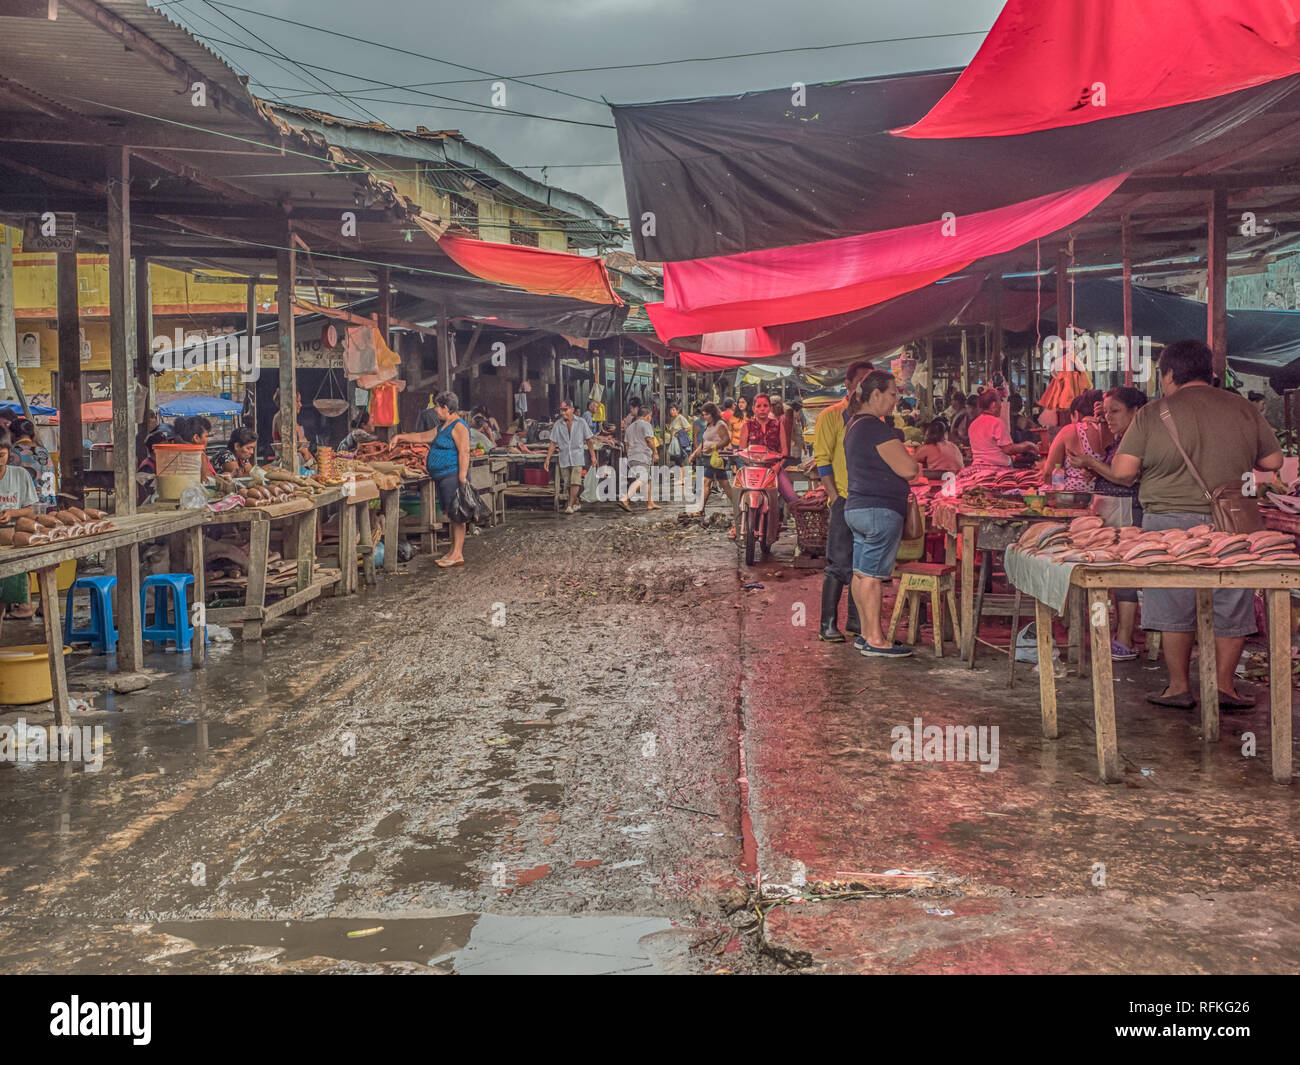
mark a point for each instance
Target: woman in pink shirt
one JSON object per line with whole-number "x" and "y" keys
{"x": 990, "y": 442}
{"x": 938, "y": 453}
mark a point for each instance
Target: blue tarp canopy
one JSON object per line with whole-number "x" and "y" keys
{"x": 1259, "y": 342}
{"x": 194, "y": 406}
{"x": 36, "y": 408}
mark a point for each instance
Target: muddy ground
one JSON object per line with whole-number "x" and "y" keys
{"x": 583, "y": 749}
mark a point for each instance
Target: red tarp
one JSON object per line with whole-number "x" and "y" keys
{"x": 537, "y": 270}
{"x": 1067, "y": 62}
{"x": 709, "y": 363}
{"x": 825, "y": 278}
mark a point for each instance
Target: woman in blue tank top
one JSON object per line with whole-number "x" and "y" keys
{"x": 448, "y": 464}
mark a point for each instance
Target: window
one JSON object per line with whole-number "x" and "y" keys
{"x": 464, "y": 212}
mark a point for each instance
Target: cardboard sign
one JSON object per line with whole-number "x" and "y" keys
{"x": 50, "y": 231}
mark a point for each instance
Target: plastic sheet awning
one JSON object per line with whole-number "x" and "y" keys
{"x": 778, "y": 285}
{"x": 536, "y": 270}
{"x": 199, "y": 406}
{"x": 725, "y": 175}
{"x": 471, "y": 298}
{"x": 1111, "y": 58}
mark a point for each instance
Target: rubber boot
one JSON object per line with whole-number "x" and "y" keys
{"x": 831, "y": 589}
{"x": 852, "y": 626}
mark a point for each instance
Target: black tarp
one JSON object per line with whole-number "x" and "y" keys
{"x": 1259, "y": 342}
{"x": 866, "y": 334}
{"x": 515, "y": 307}
{"x": 723, "y": 175}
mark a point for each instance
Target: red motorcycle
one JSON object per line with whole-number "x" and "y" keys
{"x": 760, "y": 499}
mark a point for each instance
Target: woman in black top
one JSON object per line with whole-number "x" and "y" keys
{"x": 879, "y": 468}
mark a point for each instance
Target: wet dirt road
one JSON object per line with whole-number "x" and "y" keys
{"x": 578, "y": 753}
{"x": 547, "y": 736}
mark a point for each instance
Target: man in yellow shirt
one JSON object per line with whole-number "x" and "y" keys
{"x": 828, "y": 454}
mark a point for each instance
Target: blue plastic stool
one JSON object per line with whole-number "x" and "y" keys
{"x": 102, "y": 634}
{"x": 171, "y": 612}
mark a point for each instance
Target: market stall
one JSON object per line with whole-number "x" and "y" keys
{"x": 985, "y": 512}
{"x": 293, "y": 574}
{"x": 123, "y": 538}
{"x": 1051, "y": 559}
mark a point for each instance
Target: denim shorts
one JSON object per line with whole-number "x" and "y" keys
{"x": 877, "y": 532}
{"x": 1174, "y": 609}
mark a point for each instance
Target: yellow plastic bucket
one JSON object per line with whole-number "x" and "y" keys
{"x": 25, "y": 674}
{"x": 63, "y": 577}
{"x": 178, "y": 467}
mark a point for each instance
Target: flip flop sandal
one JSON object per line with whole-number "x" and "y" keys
{"x": 1176, "y": 702}
{"x": 623, "y": 504}
{"x": 1235, "y": 702}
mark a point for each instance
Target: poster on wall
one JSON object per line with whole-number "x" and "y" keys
{"x": 85, "y": 347}
{"x": 29, "y": 350}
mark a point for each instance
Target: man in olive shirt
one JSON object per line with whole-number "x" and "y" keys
{"x": 1226, "y": 439}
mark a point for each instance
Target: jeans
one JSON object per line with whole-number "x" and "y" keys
{"x": 877, "y": 534}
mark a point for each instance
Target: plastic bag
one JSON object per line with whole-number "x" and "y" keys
{"x": 467, "y": 508}
{"x": 589, "y": 485}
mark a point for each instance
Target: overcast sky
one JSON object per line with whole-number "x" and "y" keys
{"x": 523, "y": 37}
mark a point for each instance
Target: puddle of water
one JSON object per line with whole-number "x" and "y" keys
{"x": 471, "y": 944}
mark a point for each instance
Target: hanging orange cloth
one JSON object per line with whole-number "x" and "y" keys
{"x": 383, "y": 404}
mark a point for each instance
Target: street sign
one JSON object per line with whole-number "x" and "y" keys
{"x": 50, "y": 231}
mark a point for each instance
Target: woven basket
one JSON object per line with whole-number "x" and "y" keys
{"x": 811, "y": 525}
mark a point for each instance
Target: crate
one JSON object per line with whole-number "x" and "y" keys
{"x": 537, "y": 475}
{"x": 811, "y": 525}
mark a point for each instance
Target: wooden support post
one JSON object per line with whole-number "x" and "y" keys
{"x": 305, "y": 553}
{"x": 1126, "y": 251}
{"x": 444, "y": 360}
{"x": 1103, "y": 686}
{"x": 8, "y": 321}
{"x": 143, "y": 339}
{"x": 619, "y": 408}
{"x": 365, "y": 535}
{"x": 965, "y": 364}
{"x": 927, "y": 396}
{"x": 250, "y": 328}
{"x": 47, "y": 584}
{"x": 1046, "y": 669}
{"x": 1216, "y": 291}
{"x": 997, "y": 354}
{"x": 392, "y": 519}
{"x": 122, "y": 351}
{"x": 199, "y": 616}
{"x": 71, "y": 456}
{"x": 384, "y": 308}
{"x": 428, "y": 516}
{"x": 286, "y": 262}
{"x": 968, "y": 622}
{"x": 1279, "y": 674}
{"x": 348, "y": 545}
{"x": 1063, "y": 316}
{"x": 130, "y": 645}
{"x": 1208, "y": 665}
{"x": 259, "y": 547}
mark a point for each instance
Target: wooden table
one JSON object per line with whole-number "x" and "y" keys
{"x": 979, "y": 530}
{"x": 1096, "y": 582}
{"x": 124, "y": 540}
{"x": 301, "y": 516}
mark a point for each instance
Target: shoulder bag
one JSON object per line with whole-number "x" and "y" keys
{"x": 1233, "y": 511}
